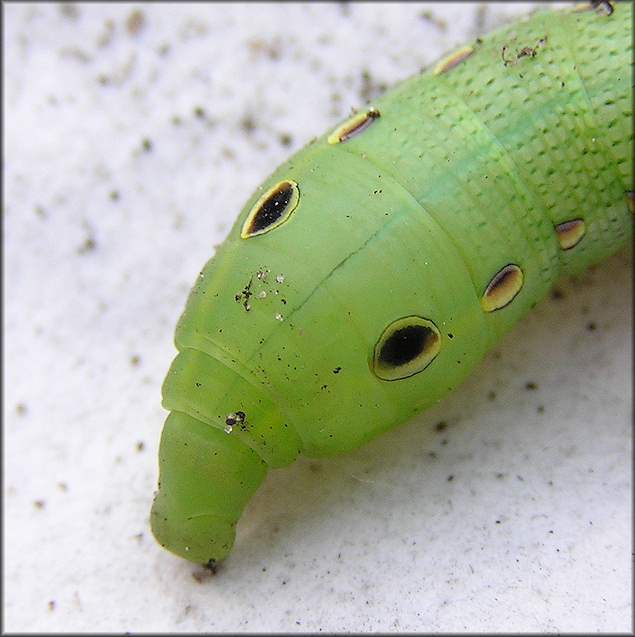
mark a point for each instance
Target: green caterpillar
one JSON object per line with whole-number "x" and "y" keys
{"x": 371, "y": 272}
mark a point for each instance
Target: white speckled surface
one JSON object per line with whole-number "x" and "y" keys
{"x": 126, "y": 159}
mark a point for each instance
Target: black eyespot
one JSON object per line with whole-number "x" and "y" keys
{"x": 272, "y": 209}
{"x": 406, "y": 347}
{"x": 502, "y": 288}
{"x": 453, "y": 60}
{"x": 570, "y": 233}
{"x": 354, "y": 126}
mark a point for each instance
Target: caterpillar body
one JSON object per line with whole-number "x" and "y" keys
{"x": 370, "y": 273}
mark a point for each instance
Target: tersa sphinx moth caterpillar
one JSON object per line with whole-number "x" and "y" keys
{"x": 370, "y": 273}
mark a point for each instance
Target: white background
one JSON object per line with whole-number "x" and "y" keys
{"x": 133, "y": 134}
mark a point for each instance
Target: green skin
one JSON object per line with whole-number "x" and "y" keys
{"x": 464, "y": 171}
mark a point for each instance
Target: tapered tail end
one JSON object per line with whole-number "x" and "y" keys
{"x": 206, "y": 477}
